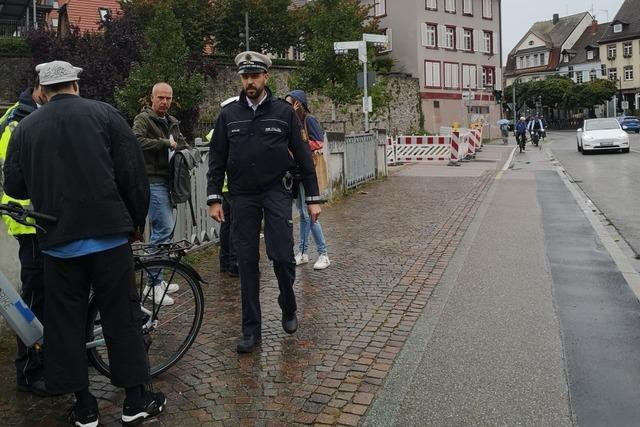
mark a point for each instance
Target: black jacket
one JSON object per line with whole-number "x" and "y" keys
{"x": 79, "y": 161}
{"x": 255, "y": 149}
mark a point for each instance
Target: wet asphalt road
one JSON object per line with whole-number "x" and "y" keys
{"x": 610, "y": 179}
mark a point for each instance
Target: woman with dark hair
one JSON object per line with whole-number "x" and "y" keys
{"x": 315, "y": 136}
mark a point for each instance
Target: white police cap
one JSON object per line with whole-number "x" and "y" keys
{"x": 252, "y": 62}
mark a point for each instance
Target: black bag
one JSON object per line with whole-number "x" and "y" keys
{"x": 182, "y": 167}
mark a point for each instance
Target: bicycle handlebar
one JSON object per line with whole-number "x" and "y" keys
{"x": 20, "y": 214}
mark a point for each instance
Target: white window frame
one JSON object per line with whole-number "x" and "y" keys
{"x": 593, "y": 75}
{"x": 431, "y": 4}
{"x": 450, "y": 6}
{"x": 103, "y": 12}
{"x": 449, "y": 38}
{"x": 543, "y": 58}
{"x": 432, "y": 74}
{"x": 486, "y": 44}
{"x": 617, "y": 28}
{"x": 612, "y": 73}
{"x": 467, "y": 7}
{"x": 379, "y": 7}
{"x": 579, "y": 77}
{"x": 451, "y": 75}
{"x": 488, "y": 76}
{"x": 389, "y": 33}
{"x": 467, "y": 39}
{"x": 589, "y": 54}
{"x": 487, "y": 11}
{"x": 627, "y": 49}
{"x": 469, "y": 76}
{"x": 628, "y": 73}
{"x": 612, "y": 51}
{"x": 430, "y": 35}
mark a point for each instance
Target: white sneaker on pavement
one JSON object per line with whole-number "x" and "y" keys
{"x": 322, "y": 262}
{"x": 302, "y": 258}
{"x": 159, "y": 291}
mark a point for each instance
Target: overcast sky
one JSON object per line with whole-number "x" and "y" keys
{"x": 519, "y": 15}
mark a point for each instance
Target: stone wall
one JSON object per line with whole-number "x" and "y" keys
{"x": 403, "y": 112}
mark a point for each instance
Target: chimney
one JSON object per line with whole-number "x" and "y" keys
{"x": 594, "y": 26}
{"x": 556, "y": 18}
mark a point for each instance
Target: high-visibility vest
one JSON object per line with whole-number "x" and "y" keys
{"x": 225, "y": 187}
{"x": 14, "y": 227}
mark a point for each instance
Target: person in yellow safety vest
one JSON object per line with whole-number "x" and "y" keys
{"x": 29, "y": 367}
{"x": 227, "y": 255}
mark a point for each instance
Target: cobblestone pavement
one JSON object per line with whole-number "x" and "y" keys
{"x": 389, "y": 244}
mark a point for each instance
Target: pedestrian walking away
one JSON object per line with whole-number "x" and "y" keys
{"x": 257, "y": 143}
{"x": 314, "y": 135}
{"x": 79, "y": 161}
{"x": 29, "y": 366}
{"x": 159, "y": 135}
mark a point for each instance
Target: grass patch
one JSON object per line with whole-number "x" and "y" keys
{"x": 196, "y": 256}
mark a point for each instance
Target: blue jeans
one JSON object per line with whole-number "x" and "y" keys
{"x": 307, "y": 227}
{"x": 161, "y": 219}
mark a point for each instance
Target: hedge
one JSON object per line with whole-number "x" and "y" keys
{"x": 14, "y": 47}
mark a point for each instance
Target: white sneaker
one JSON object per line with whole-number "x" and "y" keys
{"x": 302, "y": 258}
{"x": 159, "y": 292}
{"x": 322, "y": 262}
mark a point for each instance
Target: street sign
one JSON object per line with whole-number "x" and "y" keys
{"x": 367, "y": 104}
{"x": 371, "y": 79}
{"x": 467, "y": 96}
{"x": 625, "y": 105}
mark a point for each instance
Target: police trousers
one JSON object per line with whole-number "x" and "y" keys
{"x": 111, "y": 275}
{"x": 29, "y": 367}
{"x": 274, "y": 206}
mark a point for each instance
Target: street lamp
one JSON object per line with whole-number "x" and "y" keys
{"x": 341, "y": 48}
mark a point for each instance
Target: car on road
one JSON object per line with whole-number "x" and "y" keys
{"x": 630, "y": 123}
{"x": 602, "y": 134}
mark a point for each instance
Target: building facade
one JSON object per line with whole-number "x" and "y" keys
{"x": 453, "y": 47}
{"x": 87, "y": 15}
{"x": 539, "y": 53}
{"x": 620, "y": 53}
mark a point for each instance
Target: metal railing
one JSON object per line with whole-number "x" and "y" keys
{"x": 12, "y": 28}
{"x": 360, "y": 159}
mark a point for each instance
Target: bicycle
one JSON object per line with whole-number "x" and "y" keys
{"x": 169, "y": 330}
{"x": 521, "y": 139}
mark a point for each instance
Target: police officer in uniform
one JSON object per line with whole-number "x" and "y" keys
{"x": 257, "y": 142}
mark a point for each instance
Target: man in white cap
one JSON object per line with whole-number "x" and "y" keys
{"x": 257, "y": 142}
{"x": 79, "y": 161}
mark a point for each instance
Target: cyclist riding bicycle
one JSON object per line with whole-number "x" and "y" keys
{"x": 521, "y": 131}
{"x": 535, "y": 125}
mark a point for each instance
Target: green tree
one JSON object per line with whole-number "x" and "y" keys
{"x": 272, "y": 26}
{"x": 325, "y": 22}
{"x": 164, "y": 58}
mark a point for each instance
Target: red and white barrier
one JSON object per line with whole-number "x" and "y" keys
{"x": 422, "y": 148}
{"x": 455, "y": 145}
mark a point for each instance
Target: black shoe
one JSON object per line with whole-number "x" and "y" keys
{"x": 150, "y": 405}
{"x": 83, "y": 416}
{"x": 233, "y": 271}
{"x": 36, "y": 387}
{"x": 290, "y": 324}
{"x": 248, "y": 343}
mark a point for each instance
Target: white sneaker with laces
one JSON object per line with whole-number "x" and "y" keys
{"x": 302, "y": 258}
{"x": 322, "y": 262}
{"x": 159, "y": 291}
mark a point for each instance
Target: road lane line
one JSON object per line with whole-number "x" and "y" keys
{"x": 507, "y": 165}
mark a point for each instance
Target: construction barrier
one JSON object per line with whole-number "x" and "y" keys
{"x": 453, "y": 147}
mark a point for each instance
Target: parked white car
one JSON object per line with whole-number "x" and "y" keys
{"x": 602, "y": 134}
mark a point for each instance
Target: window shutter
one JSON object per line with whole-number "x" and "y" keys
{"x": 496, "y": 47}
{"x": 459, "y": 38}
{"x": 441, "y": 35}
{"x": 437, "y": 79}
{"x": 424, "y": 34}
{"x": 476, "y": 40}
{"x": 498, "y": 78}
{"x": 465, "y": 76}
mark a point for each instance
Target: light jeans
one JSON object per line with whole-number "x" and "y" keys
{"x": 161, "y": 219}
{"x": 307, "y": 227}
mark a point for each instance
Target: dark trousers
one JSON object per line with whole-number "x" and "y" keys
{"x": 248, "y": 211}
{"x": 29, "y": 366}
{"x": 111, "y": 275}
{"x": 228, "y": 259}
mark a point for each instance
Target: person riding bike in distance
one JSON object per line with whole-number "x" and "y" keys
{"x": 536, "y": 127}
{"x": 521, "y": 132}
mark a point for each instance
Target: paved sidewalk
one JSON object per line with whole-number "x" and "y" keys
{"x": 390, "y": 244}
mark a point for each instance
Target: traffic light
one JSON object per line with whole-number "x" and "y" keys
{"x": 498, "y": 96}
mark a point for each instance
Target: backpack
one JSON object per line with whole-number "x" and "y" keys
{"x": 182, "y": 167}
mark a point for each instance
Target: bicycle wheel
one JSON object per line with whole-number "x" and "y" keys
{"x": 168, "y": 330}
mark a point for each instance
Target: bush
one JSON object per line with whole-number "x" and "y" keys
{"x": 14, "y": 47}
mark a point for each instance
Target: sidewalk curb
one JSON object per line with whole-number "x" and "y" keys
{"x": 631, "y": 276}
{"x": 385, "y": 408}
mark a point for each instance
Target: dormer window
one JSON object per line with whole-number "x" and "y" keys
{"x": 530, "y": 42}
{"x": 589, "y": 54}
{"x": 617, "y": 28}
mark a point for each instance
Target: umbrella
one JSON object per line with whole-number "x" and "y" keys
{"x": 503, "y": 122}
